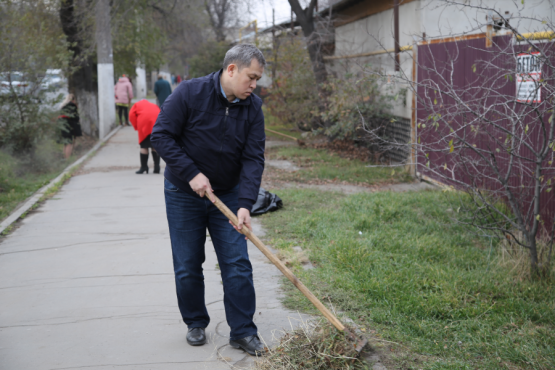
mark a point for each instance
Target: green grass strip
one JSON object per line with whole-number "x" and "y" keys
{"x": 397, "y": 264}
{"x": 319, "y": 164}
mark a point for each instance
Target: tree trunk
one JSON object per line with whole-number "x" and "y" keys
{"x": 218, "y": 14}
{"x": 534, "y": 268}
{"x": 82, "y": 81}
{"x": 314, "y": 44}
{"x": 105, "y": 68}
{"x": 532, "y": 235}
{"x": 84, "y": 86}
{"x": 315, "y": 52}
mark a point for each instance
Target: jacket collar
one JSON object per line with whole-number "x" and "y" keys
{"x": 217, "y": 86}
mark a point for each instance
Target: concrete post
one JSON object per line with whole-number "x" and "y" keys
{"x": 105, "y": 68}
{"x": 396, "y": 35}
{"x": 140, "y": 84}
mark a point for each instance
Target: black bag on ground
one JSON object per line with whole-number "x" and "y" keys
{"x": 266, "y": 202}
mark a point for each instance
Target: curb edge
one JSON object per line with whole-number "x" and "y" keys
{"x": 36, "y": 197}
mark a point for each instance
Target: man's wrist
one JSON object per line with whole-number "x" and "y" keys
{"x": 191, "y": 173}
{"x": 246, "y": 204}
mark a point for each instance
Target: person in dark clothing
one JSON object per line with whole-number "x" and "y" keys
{"x": 69, "y": 122}
{"x": 162, "y": 90}
{"x": 210, "y": 133}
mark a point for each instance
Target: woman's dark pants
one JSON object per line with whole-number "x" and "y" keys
{"x": 122, "y": 111}
{"x": 188, "y": 219}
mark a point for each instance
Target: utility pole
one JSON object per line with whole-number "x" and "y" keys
{"x": 274, "y": 48}
{"x": 140, "y": 81}
{"x": 105, "y": 69}
{"x": 396, "y": 35}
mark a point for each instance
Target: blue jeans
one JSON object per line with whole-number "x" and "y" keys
{"x": 188, "y": 218}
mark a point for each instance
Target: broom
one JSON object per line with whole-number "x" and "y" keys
{"x": 359, "y": 342}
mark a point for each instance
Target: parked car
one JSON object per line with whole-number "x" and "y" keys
{"x": 53, "y": 80}
{"x": 17, "y": 82}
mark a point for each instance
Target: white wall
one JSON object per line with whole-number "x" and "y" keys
{"x": 433, "y": 17}
{"x": 439, "y": 20}
{"x": 436, "y": 19}
{"x": 376, "y": 31}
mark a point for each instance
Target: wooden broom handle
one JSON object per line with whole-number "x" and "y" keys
{"x": 253, "y": 238}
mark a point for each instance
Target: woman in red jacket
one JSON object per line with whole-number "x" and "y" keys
{"x": 143, "y": 116}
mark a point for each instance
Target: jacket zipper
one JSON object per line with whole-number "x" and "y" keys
{"x": 222, "y": 139}
{"x": 225, "y": 129}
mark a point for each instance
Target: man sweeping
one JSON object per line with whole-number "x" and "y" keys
{"x": 210, "y": 133}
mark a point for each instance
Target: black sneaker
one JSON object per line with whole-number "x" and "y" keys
{"x": 196, "y": 336}
{"x": 251, "y": 344}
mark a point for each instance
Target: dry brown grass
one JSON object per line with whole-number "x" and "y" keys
{"x": 516, "y": 260}
{"x": 315, "y": 345}
{"x": 293, "y": 256}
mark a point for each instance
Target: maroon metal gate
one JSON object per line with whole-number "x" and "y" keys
{"x": 467, "y": 92}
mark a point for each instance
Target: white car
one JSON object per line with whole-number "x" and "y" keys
{"x": 15, "y": 79}
{"x": 53, "y": 79}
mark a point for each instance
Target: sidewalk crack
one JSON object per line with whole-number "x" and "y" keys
{"x": 70, "y": 245}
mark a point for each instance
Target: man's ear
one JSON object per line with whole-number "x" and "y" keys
{"x": 231, "y": 69}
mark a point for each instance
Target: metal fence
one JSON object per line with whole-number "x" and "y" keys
{"x": 461, "y": 81}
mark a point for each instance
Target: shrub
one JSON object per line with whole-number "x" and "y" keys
{"x": 350, "y": 106}
{"x": 24, "y": 121}
{"x": 293, "y": 98}
{"x": 356, "y": 109}
{"x": 31, "y": 42}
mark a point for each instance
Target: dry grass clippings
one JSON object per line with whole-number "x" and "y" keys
{"x": 315, "y": 345}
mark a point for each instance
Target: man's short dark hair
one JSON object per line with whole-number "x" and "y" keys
{"x": 242, "y": 56}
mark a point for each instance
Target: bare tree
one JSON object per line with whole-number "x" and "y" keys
{"x": 305, "y": 17}
{"x": 160, "y": 31}
{"x": 487, "y": 129}
{"x": 77, "y": 27}
{"x": 220, "y": 13}
{"x": 183, "y": 22}
{"x": 184, "y": 28}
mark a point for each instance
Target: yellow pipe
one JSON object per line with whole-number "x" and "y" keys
{"x": 279, "y": 133}
{"x": 537, "y": 36}
{"x": 403, "y": 48}
{"x": 549, "y": 35}
{"x": 255, "y": 30}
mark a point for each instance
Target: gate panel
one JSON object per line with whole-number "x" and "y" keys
{"x": 466, "y": 91}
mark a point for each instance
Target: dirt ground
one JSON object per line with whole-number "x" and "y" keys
{"x": 276, "y": 171}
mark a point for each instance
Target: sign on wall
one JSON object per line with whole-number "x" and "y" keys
{"x": 528, "y": 78}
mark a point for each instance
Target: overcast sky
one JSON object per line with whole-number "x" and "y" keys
{"x": 261, "y": 10}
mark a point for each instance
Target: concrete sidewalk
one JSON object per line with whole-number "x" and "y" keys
{"x": 86, "y": 281}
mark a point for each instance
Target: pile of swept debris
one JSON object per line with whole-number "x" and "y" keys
{"x": 315, "y": 345}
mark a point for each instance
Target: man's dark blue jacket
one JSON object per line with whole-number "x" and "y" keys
{"x": 199, "y": 131}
